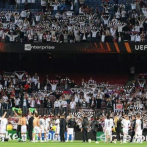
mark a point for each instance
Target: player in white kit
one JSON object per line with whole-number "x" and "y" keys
{"x": 57, "y": 131}
{"x": 42, "y": 126}
{"x": 23, "y": 128}
{"x": 47, "y": 127}
{"x": 36, "y": 130}
{"x": 138, "y": 129}
{"x": 3, "y": 126}
{"x": 108, "y": 124}
{"x": 125, "y": 124}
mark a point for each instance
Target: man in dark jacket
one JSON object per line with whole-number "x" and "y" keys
{"x": 62, "y": 128}
{"x": 85, "y": 125}
{"x": 133, "y": 128}
{"x": 30, "y": 126}
{"x": 94, "y": 128}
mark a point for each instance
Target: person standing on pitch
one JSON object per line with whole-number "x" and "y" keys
{"x": 30, "y": 126}
{"x": 94, "y": 129}
{"x": 62, "y": 128}
{"x": 37, "y": 130}
{"x": 42, "y": 126}
{"x": 117, "y": 126}
{"x": 138, "y": 129}
{"x": 70, "y": 128}
{"x": 18, "y": 125}
{"x": 133, "y": 124}
{"x": 85, "y": 125}
{"x": 47, "y": 127}
{"x": 108, "y": 129}
{"x": 125, "y": 124}
{"x": 23, "y": 128}
{"x": 3, "y": 125}
{"x": 57, "y": 131}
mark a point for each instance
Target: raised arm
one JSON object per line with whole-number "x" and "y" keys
{"x": 138, "y": 82}
{"x": 4, "y": 115}
{"x": 16, "y": 74}
{"x": 16, "y": 113}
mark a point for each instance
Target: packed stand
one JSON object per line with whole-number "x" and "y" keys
{"x": 72, "y": 21}
{"x": 58, "y": 96}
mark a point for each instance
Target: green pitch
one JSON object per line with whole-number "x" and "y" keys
{"x": 69, "y": 144}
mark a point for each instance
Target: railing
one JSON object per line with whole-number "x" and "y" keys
{"x": 47, "y": 111}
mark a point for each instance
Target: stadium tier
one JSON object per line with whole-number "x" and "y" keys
{"x": 69, "y": 21}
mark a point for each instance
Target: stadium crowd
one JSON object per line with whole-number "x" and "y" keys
{"x": 64, "y": 96}
{"x": 72, "y": 21}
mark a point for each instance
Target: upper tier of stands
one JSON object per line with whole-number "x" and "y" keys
{"x": 36, "y": 7}
{"x": 71, "y": 21}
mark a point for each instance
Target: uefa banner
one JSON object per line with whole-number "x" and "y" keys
{"x": 112, "y": 47}
{"x": 101, "y": 136}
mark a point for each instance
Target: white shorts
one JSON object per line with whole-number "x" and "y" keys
{"x": 138, "y": 132}
{"x": 23, "y": 129}
{"x": 70, "y": 131}
{"x": 2, "y": 129}
{"x": 37, "y": 130}
{"x": 47, "y": 129}
{"x": 57, "y": 130}
{"x": 42, "y": 129}
{"x": 125, "y": 131}
{"x": 108, "y": 132}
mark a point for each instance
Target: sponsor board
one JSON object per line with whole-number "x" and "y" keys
{"x": 29, "y": 47}
{"x": 140, "y": 47}
{"x": 101, "y": 137}
{"x": 94, "y": 47}
{"x": 12, "y": 135}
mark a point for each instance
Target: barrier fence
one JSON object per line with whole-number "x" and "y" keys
{"x": 46, "y": 111}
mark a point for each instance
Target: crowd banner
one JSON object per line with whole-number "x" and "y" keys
{"x": 118, "y": 108}
{"x": 97, "y": 47}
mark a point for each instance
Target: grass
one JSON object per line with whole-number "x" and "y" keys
{"x": 69, "y": 144}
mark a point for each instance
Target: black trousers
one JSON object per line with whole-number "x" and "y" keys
{"x": 62, "y": 137}
{"x": 19, "y": 131}
{"x": 118, "y": 132}
{"x": 30, "y": 132}
{"x": 94, "y": 135}
{"x": 85, "y": 136}
{"x": 132, "y": 135}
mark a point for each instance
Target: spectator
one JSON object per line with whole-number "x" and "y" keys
{"x": 72, "y": 106}
{"x": 57, "y": 105}
{"x": 49, "y": 107}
